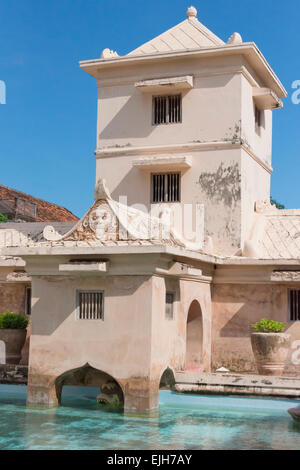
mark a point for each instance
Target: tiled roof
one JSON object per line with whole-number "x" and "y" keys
{"x": 28, "y": 233}
{"x": 281, "y": 236}
{"x": 186, "y": 36}
{"x": 46, "y": 211}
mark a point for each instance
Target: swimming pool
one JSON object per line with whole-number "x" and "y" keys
{"x": 184, "y": 422}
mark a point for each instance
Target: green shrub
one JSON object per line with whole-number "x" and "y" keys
{"x": 13, "y": 321}
{"x": 268, "y": 326}
{"x": 3, "y": 219}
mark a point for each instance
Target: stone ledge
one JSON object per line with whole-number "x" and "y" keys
{"x": 13, "y": 374}
{"x": 226, "y": 384}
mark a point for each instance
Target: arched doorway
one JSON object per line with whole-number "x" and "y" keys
{"x": 167, "y": 380}
{"x": 110, "y": 392}
{"x": 194, "y": 338}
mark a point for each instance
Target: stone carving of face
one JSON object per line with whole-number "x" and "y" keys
{"x": 102, "y": 223}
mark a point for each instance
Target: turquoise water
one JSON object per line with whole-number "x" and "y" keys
{"x": 184, "y": 422}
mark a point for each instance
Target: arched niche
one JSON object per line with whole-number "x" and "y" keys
{"x": 194, "y": 337}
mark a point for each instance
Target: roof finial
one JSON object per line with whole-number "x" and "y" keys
{"x": 235, "y": 39}
{"x": 191, "y": 12}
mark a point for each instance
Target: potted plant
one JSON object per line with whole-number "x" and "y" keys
{"x": 13, "y": 334}
{"x": 270, "y": 347}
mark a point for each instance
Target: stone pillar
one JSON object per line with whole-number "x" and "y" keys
{"x": 41, "y": 391}
{"x": 141, "y": 395}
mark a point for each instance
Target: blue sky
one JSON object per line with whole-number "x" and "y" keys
{"x": 48, "y": 125}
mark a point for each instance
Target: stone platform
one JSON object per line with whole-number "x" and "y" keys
{"x": 243, "y": 385}
{"x": 198, "y": 383}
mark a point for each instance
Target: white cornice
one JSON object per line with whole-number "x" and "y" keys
{"x": 231, "y": 70}
{"x": 251, "y": 52}
{"x": 180, "y": 148}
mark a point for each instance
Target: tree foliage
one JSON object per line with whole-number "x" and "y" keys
{"x": 277, "y": 204}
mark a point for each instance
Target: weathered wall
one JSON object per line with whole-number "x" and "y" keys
{"x": 214, "y": 181}
{"x": 235, "y": 308}
{"x": 210, "y": 110}
{"x": 168, "y": 347}
{"x": 60, "y": 342}
{"x": 259, "y": 143}
{"x": 12, "y": 297}
{"x": 255, "y": 186}
{"x": 219, "y": 109}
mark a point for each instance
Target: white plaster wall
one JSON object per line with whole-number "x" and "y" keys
{"x": 261, "y": 144}
{"x": 60, "y": 342}
{"x": 172, "y": 333}
{"x": 214, "y": 181}
{"x": 256, "y": 183}
{"x": 211, "y": 110}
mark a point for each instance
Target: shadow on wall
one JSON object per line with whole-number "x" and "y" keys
{"x": 135, "y": 185}
{"x": 63, "y": 300}
{"x": 134, "y": 119}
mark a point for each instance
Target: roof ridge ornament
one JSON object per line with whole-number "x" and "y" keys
{"x": 101, "y": 191}
{"x": 234, "y": 39}
{"x": 191, "y": 12}
{"x": 108, "y": 54}
{"x": 265, "y": 207}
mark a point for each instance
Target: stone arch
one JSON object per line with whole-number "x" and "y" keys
{"x": 194, "y": 337}
{"x": 167, "y": 379}
{"x": 111, "y": 391}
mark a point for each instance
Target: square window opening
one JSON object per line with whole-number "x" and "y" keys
{"x": 167, "y": 109}
{"x": 90, "y": 305}
{"x": 169, "y": 313}
{"x": 165, "y": 187}
{"x": 258, "y": 120}
{"x": 28, "y": 301}
{"x": 294, "y": 305}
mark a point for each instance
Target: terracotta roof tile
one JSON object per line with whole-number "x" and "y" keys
{"x": 46, "y": 211}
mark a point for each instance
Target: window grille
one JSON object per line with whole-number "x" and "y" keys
{"x": 294, "y": 305}
{"x": 27, "y": 301}
{"x": 167, "y": 109}
{"x": 257, "y": 119}
{"x": 169, "y": 305}
{"x": 90, "y": 305}
{"x": 166, "y": 187}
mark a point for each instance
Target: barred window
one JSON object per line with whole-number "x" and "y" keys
{"x": 27, "y": 301}
{"x": 294, "y": 305}
{"x": 166, "y": 187}
{"x": 257, "y": 119}
{"x": 169, "y": 305}
{"x": 90, "y": 305}
{"x": 167, "y": 109}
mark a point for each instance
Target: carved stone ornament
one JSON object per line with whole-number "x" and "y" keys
{"x": 109, "y": 54}
{"x": 100, "y": 223}
{"x": 263, "y": 207}
{"x": 110, "y": 221}
{"x": 286, "y": 276}
{"x": 50, "y": 234}
{"x": 235, "y": 39}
